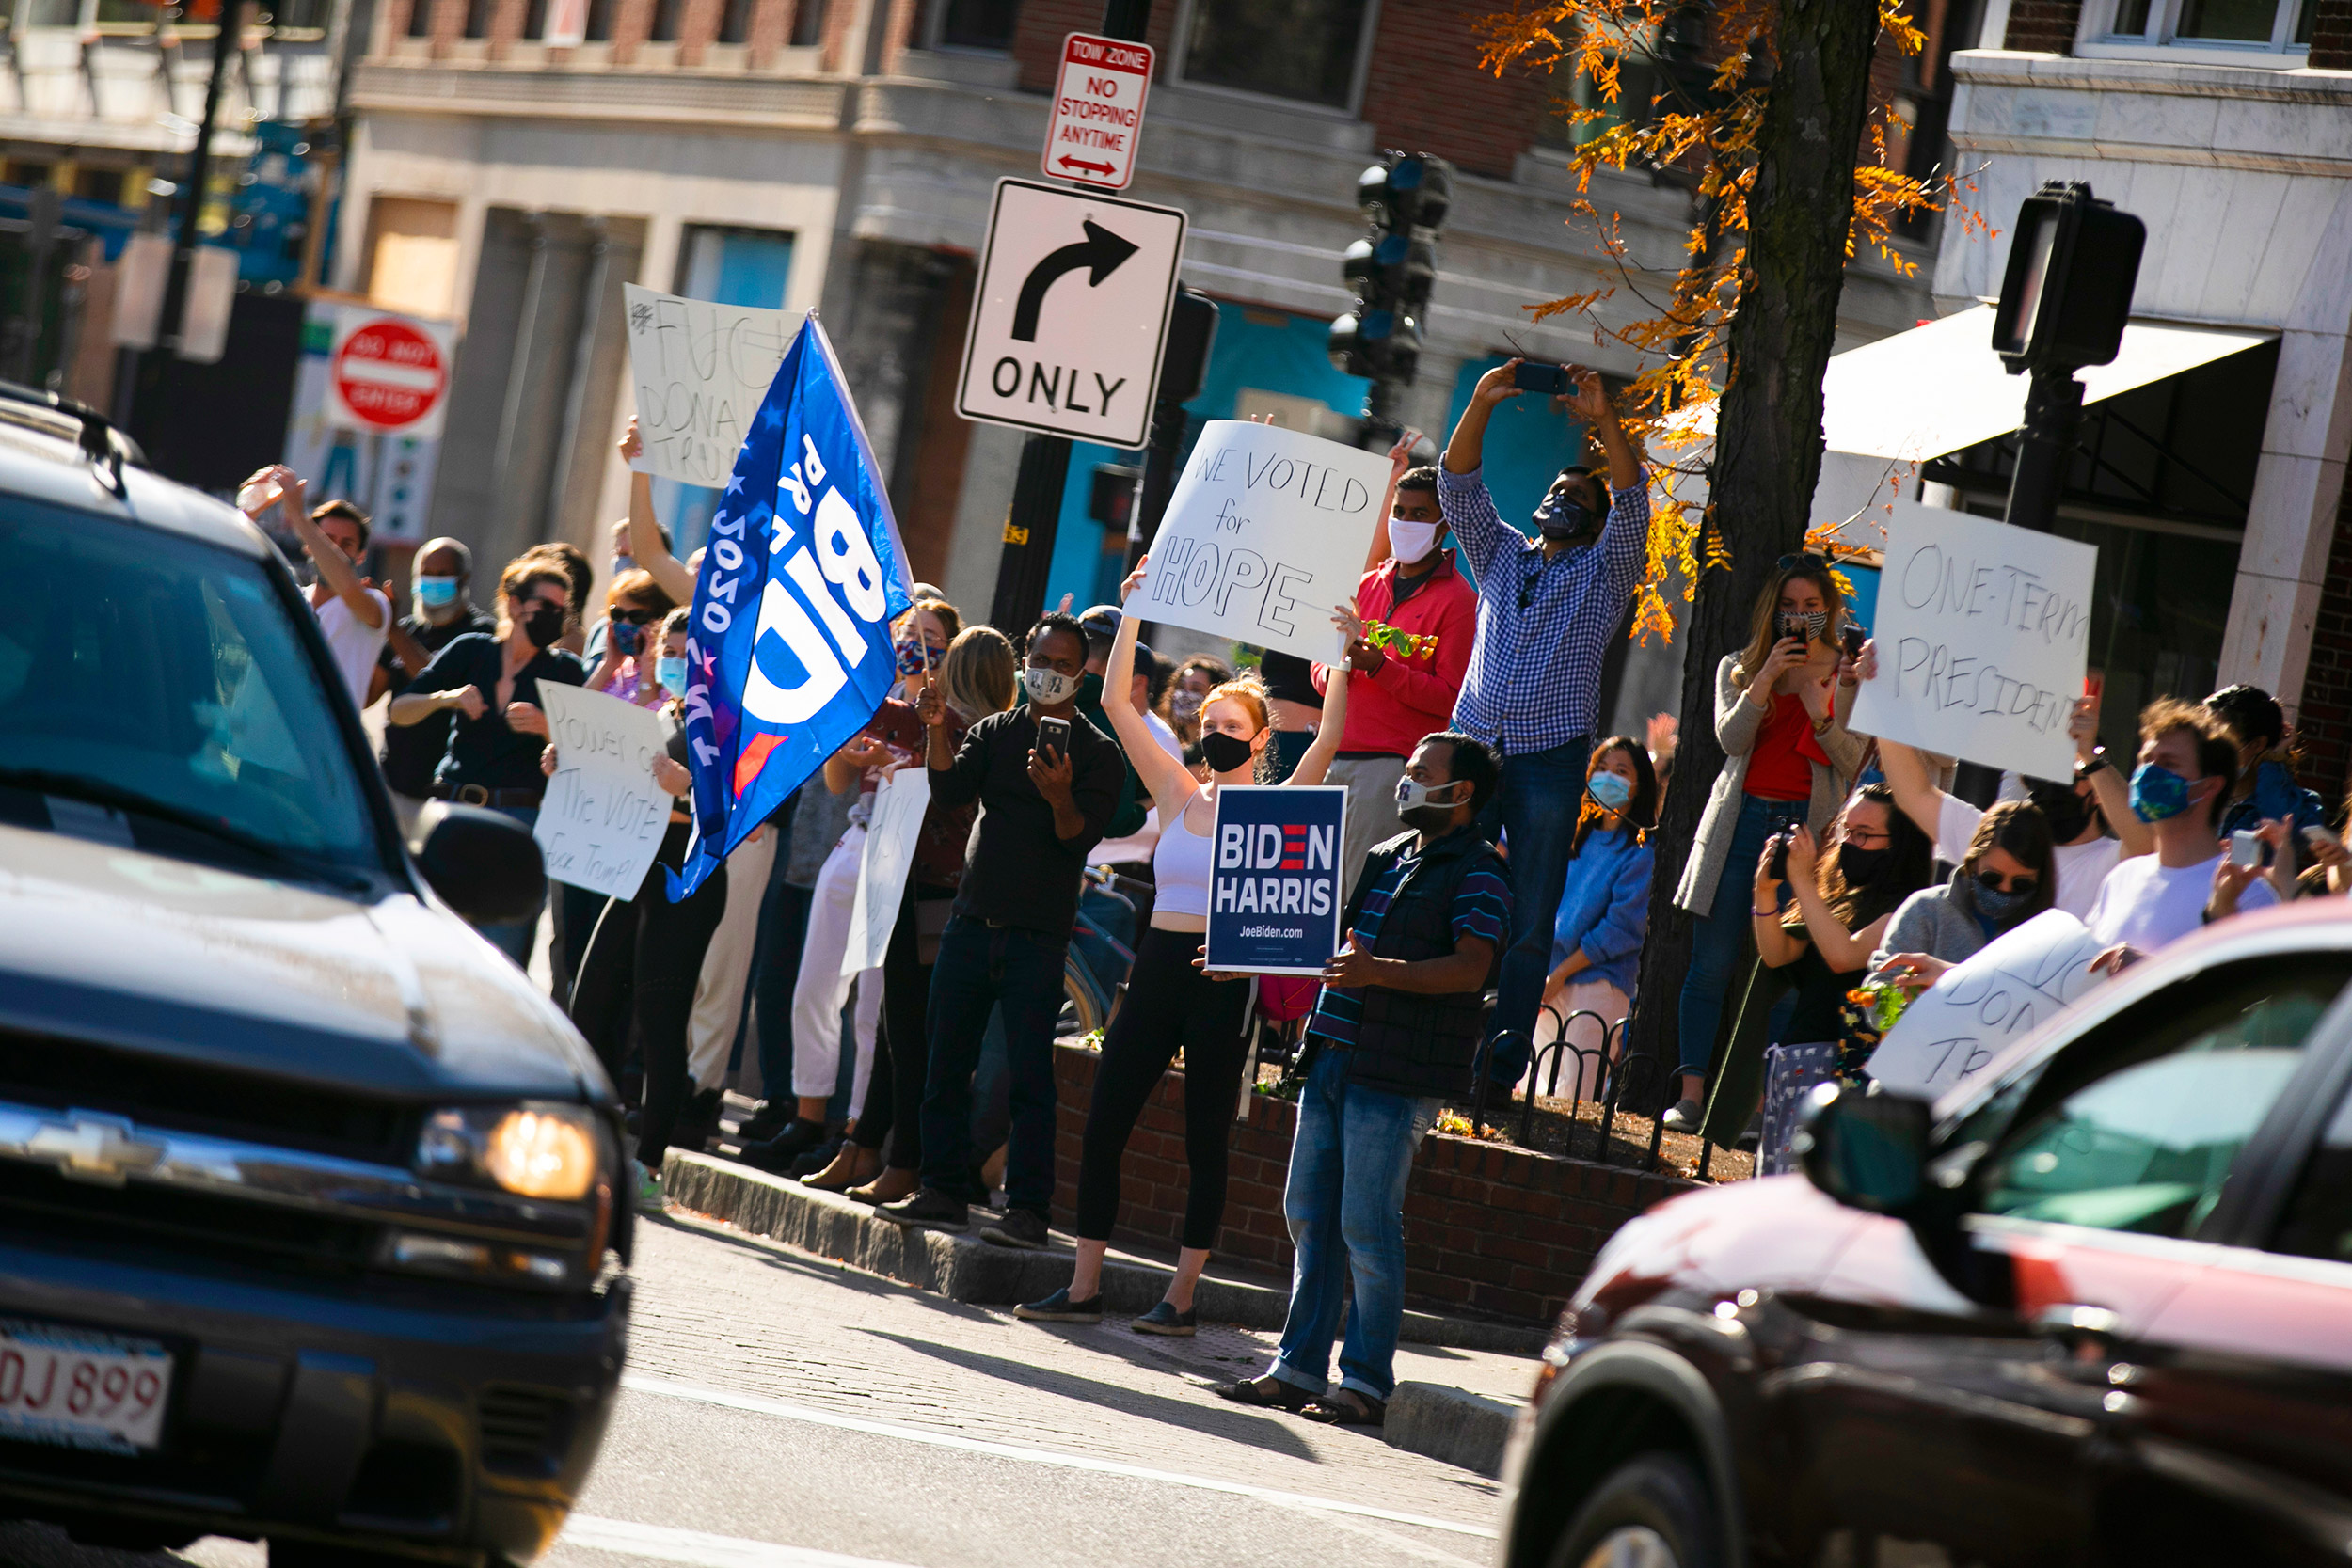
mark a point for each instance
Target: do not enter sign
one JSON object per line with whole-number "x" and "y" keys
{"x": 388, "y": 374}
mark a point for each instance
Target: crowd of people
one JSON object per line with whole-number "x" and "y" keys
{"x": 1497, "y": 867}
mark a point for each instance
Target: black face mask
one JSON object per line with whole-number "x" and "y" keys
{"x": 1562, "y": 518}
{"x": 543, "y": 625}
{"x": 1859, "y": 866}
{"x": 2067, "y": 813}
{"x": 1223, "y": 753}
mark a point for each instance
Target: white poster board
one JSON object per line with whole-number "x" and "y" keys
{"x": 1983, "y": 632}
{"x": 2019, "y": 980}
{"x": 896, "y": 824}
{"x": 700, "y": 371}
{"x": 602, "y": 819}
{"x": 1266, "y": 532}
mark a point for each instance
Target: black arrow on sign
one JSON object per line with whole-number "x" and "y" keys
{"x": 1101, "y": 252}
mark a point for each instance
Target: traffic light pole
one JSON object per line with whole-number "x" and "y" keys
{"x": 1035, "y": 515}
{"x": 2045, "y": 446}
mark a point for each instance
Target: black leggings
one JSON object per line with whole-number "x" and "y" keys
{"x": 1169, "y": 1004}
{"x": 894, "y": 1087}
{"x": 641, "y": 965}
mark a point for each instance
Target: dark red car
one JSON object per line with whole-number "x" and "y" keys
{"x": 2093, "y": 1305}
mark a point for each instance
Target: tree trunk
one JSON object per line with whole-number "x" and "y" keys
{"x": 1768, "y": 437}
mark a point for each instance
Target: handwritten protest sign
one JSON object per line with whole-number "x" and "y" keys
{"x": 1275, "y": 891}
{"x": 603, "y": 817}
{"x": 1266, "y": 531}
{"x": 1983, "y": 632}
{"x": 2021, "y": 978}
{"x": 701, "y": 370}
{"x": 890, "y": 838}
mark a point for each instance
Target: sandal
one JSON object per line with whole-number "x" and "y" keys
{"x": 1265, "y": 1393}
{"x": 1345, "y": 1407}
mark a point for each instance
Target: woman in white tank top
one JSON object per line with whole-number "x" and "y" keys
{"x": 1171, "y": 1004}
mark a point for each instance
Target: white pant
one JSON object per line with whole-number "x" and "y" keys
{"x": 1580, "y": 1076}
{"x": 727, "y": 965}
{"x": 821, "y": 989}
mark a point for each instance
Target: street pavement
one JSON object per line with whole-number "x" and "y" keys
{"x": 781, "y": 1411}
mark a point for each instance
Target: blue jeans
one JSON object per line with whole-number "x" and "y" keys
{"x": 1719, "y": 938}
{"x": 517, "y": 937}
{"x": 981, "y": 966}
{"x": 1345, "y": 1205}
{"x": 1538, "y": 809}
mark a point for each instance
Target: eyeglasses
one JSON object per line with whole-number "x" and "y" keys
{"x": 1868, "y": 838}
{"x": 1991, "y": 881}
{"x": 1803, "y": 558}
{"x": 638, "y": 617}
{"x": 552, "y": 604}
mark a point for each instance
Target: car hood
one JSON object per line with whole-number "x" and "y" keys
{"x": 114, "y": 945}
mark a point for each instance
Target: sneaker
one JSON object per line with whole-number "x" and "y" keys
{"x": 1020, "y": 1227}
{"x": 1165, "y": 1318}
{"x": 929, "y": 1209}
{"x": 649, "y": 1198}
{"x": 1060, "y": 1308}
{"x": 1685, "y": 1117}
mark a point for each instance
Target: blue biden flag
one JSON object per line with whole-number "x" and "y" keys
{"x": 788, "y": 654}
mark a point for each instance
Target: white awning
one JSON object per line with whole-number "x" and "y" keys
{"x": 1937, "y": 388}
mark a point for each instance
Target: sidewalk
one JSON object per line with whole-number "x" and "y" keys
{"x": 1461, "y": 1379}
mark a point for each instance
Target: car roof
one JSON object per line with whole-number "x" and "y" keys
{"x": 2306, "y": 926}
{"x": 42, "y": 459}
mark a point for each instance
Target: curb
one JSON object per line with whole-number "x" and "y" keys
{"x": 961, "y": 1267}
{"x": 1451, "y": 1424}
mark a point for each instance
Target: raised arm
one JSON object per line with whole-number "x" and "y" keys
{"x": 1913, "y": 784}
{"x": 1840, "y": 949}
{"x": 2107, "y": 784}
{"x": 1590, "y": 402}
{"x": 1400, "y": 459}
{"x": 335, "y": 569}
{"x": 1317, "y": 762}
{"x": 645, "y": 535}
{"x": 1170, "y": 785}
{"x": 1466, "y": 449}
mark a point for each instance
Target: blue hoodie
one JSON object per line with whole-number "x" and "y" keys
{"x": 1604, "y": 908}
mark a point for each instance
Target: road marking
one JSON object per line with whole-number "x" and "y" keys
{"x": 759, "y": 1406}
{"x": 700, "y": 1548}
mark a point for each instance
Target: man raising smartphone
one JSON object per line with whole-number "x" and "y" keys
{"x": 1046, "y": 781}
{"x": 1546, "y": 607}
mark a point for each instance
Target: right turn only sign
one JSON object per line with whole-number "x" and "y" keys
{"x": 1070, "y": 313}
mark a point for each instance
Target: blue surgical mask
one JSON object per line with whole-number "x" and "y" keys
{"x": 2158, "y": 793}
{"x": 670, "y": 673}
{"x": 436, "y": 592}
{"x": 1612, "y": 792}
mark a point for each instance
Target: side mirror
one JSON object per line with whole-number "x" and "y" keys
{"x": 485, "y": 866}
{"x": 1868, "y": 1149}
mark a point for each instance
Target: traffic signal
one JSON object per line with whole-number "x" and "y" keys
{"x": 1393, "y": 269}
{"x": 2068, "y": 289}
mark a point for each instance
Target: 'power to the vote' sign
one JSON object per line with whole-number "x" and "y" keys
{"x": 1274, "y": 879}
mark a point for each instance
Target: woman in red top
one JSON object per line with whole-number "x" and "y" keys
{"x": 1780, "y": 706}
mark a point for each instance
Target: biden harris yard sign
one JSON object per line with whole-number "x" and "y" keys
{"x": 1273, "y": 880}
{"x": 788, "y": 653}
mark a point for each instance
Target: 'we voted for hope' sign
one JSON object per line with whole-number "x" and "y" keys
{"x": 1983, "y": 634}
{"x": 699, "y": 370}
{"x": 1273, "y": 880}
{"x": 1265, "y": 533}
{"x": 602, "y": 818}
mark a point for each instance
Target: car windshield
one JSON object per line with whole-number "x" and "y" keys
{"x": 154, "y": 686}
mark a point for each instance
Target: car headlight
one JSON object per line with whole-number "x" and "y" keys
{"x": 539, "y": 1150}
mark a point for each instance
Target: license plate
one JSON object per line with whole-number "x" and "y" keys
{"x": 80, "y": 1388}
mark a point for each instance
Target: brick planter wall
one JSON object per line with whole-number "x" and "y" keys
{"x": 1487, "y": 1229}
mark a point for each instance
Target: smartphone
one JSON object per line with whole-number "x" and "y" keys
{"x": 1550, "y": 379}
{"x": 2244, "y": 849}
{"x": 1779, "y": 868}
{"x": 1852, "y": 637}
{"x": 2316, "y": 834}
{"x": 2093, "y": 683}
{"x": 1053, "y": 737}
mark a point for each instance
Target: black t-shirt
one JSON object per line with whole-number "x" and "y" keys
{"x": 412, "y": 751}
{"x": 1017, "y": 870}
{"x": 483, "y": 751}
{"x": 1819, "y": 1013}
{"x": 1288, "y": 677}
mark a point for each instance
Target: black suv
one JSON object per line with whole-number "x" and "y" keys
{"x": 312, "y": 1215}
{"x": 2094, "y": 1306}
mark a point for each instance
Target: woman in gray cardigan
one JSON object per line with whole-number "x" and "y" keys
{"x": 1780, "y": 716}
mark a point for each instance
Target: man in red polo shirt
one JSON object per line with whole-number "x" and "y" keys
{"x": 1419, "y": 618}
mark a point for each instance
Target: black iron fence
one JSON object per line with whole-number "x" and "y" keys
{"x": 1635, "y": 1085}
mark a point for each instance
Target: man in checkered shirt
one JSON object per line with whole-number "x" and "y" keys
{"x": 1546, "y": 607}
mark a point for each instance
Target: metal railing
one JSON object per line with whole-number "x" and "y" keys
{"x": 1615, "y": 1083}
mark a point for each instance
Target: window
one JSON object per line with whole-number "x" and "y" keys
{"x": 977, "y": 24}
{"x": 666, "y": 14}
{"x": 421, "y": 18}
{"x": 1307, "y": 50}
{"x": 2274, "y": 26}
{"x": 808, "y": 23}
{"x": 478, "y": 17}
{"x": 598, "y": 29}
{"x": 735, "y": 21}
{"x": 2140, "y": 1137}
{"x": 179, "y": 697}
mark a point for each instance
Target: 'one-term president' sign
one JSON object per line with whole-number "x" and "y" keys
{"x": 1265, "y": 533}
{"x": 1983, "y": 632}
{"x": 1274, "y": 879}
{"x": 1098, "y": 111}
